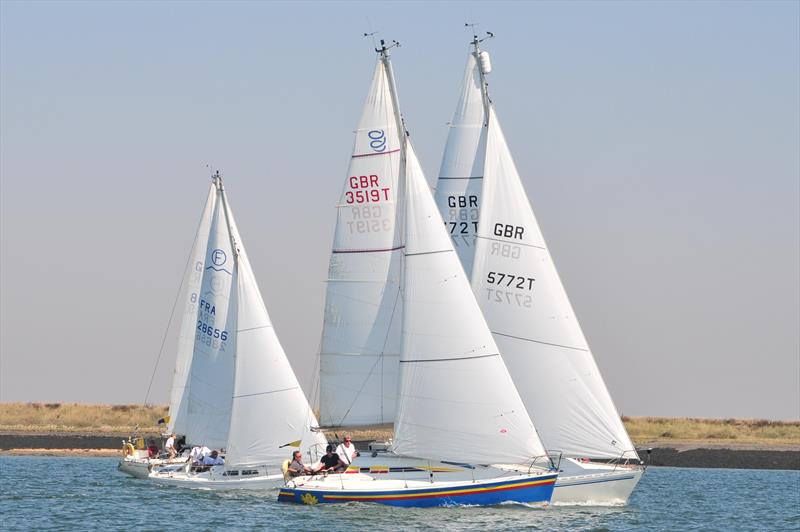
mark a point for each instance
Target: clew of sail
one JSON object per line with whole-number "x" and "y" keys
{"x": 210, "y": 380}
{"x": 458, "y": 190}
{"x": 457, "y": 401}
{"x": 361, "y": 331}
{"x": 192, "y": 280}
{"x": 527, "y": 309}
{"x": 269, "y": 407}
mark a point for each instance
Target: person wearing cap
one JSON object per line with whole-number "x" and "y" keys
{"x": 347, "y": 452}
{"x": 330, "y": 461}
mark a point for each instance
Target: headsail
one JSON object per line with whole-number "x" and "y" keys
{"x": 269, "y": 408}
{"x": 361, "y": 331}
{"x": 457, "y": 401}
{"x": 527, "y": 309}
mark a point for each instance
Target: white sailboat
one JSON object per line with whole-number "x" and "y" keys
{"x": 202, "y": 384}
{"x": 235, "y": 388}
{"x": 486, "y": 210}
{"x": 458, "y": 409}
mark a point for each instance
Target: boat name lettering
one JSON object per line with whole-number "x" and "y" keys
{"x": 508, "y": 231}
{"x": 462, "y": 201}
{"x": 510, "y": 281}
{"x": 366, "y": 189}
{"x": 377, "y": 140}
{"x": 510, "y": 298}
{"x": 211, "y": 331}
{"x": 505, "y": 250}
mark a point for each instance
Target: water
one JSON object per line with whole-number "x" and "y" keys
{"x": 44, "y": 493}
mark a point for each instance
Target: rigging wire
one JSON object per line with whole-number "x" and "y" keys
{"x": 172, "y": 312}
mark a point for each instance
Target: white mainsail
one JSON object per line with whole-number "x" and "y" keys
{"x": 192, "y": 280}
{"x": 203, "y": 411}
{"x": 532, "y": 321}
{"x": 458, "y": 189}
{"x": 457, "y": 401}
{"x": 361, "y": 331}
{"x": 269, "y": 408}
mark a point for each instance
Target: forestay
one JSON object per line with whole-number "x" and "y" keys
{"x": 361, "y": 331}
{"x": 210, "y": 380}
{"x": 269, "y": 408}
{"x": 457, "y": 401}
{"x": 527, "y": 309}
{"x": 192, "y": 280}
{"x": 458, "y": 190}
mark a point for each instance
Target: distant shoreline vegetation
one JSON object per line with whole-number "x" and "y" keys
{"x": 123, "y": 419}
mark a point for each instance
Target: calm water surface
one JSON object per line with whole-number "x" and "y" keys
{"x": 42, "y": 493}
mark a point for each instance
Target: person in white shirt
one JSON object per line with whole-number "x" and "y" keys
{"x": 170, "y": 446}
{"x": 347, "y": 452}
{"x": 198, "y": 453}
{"x": 213, "y": 459}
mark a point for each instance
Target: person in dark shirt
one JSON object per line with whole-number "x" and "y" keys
{"x": 330, "y": 461}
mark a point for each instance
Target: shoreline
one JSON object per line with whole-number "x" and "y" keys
{"x": 688, "y": 453}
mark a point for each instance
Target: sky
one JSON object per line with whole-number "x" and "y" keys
{"x": 659, "y": 143}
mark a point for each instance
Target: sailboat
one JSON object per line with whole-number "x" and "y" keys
{"x": 200, "y": 407}
{"x": 487, "y": 212}
{"x": 457, "y": 408}
{"x": 234, "y": 388}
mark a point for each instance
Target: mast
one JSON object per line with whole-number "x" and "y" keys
{"x": 484, "y": 67}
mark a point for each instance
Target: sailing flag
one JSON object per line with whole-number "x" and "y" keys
{"x": 290, "y": 444}
{"x": 164, "y": 420}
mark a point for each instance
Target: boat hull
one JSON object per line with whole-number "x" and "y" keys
{"x": 522, "y": 489}
{"x": 596, "y": 485}
{"x": 218, "y": 478}
{"x": 141, "y": 467}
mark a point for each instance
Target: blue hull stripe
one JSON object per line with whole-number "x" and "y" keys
{"x": 528, "y": 490}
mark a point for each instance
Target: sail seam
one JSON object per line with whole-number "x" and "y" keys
{"x": 266, "y": 393}
{"x": 371, "y": 154}
{"x": 511, "y": 242}
{"x": 472, "y": 177}
{"x": 255, "y": 328}
{"x": 540, "y": 342}
{"x": 428, "y": 252}
{"x": 450, "y": 359}
{"x": 366, "y": 250}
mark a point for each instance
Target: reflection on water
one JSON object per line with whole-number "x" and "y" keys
{"x": 90, "y": 494}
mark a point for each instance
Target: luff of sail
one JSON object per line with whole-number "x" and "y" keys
{"x": 192, "y": 281}
{"x": 210, "y": 380}
{"x": 360, "y": 339}
{"x": 269, "y": 408}
{"x": 458, "y": 189}
{"x": 457, "y": 401}
{"x": 532, "y": 321}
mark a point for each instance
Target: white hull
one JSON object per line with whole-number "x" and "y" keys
{"x": 595, "y": 484}
{"x": 140, "y": 467}
{"x": 219, "y": 478}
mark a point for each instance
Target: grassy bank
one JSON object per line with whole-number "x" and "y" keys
{"x": 121, "y": 419}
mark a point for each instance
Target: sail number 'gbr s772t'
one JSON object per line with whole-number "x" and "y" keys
{"x": 514, "y": 282}
{"x": 366, "y": 189}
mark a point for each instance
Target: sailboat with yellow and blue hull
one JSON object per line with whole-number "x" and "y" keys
{"x": 462, "y": 434}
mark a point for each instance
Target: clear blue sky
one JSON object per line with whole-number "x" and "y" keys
{"x": 658, "y": 142}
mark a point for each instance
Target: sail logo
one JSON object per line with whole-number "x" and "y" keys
{"x": 377, "y": 140}
{"x": 218, "y": 257}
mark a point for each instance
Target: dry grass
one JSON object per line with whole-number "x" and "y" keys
{"x": 72, "y": 417}
{"x": 756, "y": 431}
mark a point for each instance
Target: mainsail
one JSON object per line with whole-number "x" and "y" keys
{"x": 269, "y": 408}
{"x": 360, "y": 338}
{"x": 205, "y": 404}
{"x": 458, "y": 190}
{"x": 532, "y": 321}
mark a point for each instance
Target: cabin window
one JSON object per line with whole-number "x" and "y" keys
{"x": 249, "y": 472}
{"x": 230, "y": 474}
